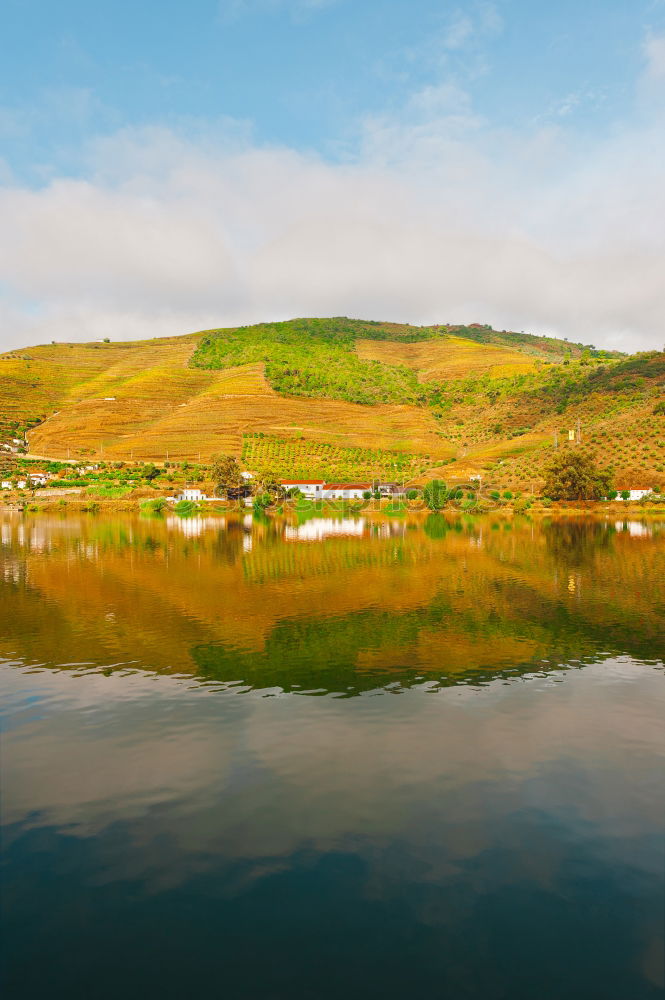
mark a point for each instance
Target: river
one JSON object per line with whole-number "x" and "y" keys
{"x": 332, "y": 758}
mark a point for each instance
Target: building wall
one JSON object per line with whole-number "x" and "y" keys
{"x": 314, "y": 490}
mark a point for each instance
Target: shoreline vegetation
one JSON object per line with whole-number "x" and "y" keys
{"x": 573, "y": 482}
{"x": 296, "y": 510}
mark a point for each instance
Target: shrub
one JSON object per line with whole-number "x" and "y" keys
{"x": 153, "y": 506}
{"x": 184, "y": 508}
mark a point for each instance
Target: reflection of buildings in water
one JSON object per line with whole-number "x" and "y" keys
{"x": 319, "y": 528}
{"x": 634, "y": 528}
{"x": 325, "y": 527}
{"x": 192, "y": 527}
{"x": 35, "y": 536}
{"x": 12, "y": 571}
{"x": 390, "y": 529}
{"x": 247, "y": 542}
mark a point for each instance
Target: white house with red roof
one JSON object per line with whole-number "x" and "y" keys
{"x": 311, "y": 488}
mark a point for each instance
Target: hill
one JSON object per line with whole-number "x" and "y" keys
{"x": 342, "y": 397}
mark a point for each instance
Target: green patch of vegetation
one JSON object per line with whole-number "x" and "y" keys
{"x": 184, "y": 508}
{"x": 317, "y": 357}
{"x": 110, "y": 492}
{"x": 301, "y": 458}
{"x": 314, "y": 358}
{"x": 155, "y": 506}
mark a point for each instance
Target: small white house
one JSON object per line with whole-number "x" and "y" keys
{"x": 194, "y": 496}
{"x": 6, "y": 484}
{"x": 633, "y": 494}
{"x": 345, "y": 491}
{"x": 311, "y": 488}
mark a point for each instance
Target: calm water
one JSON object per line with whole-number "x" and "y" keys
{"x": 243, "y": 759}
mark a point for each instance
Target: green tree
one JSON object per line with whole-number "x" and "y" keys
{"x": 435, "y": 494}
{"x": 267, "y": 486}
{"x": 225, "y": 472}
{"x": 575, "y": 476}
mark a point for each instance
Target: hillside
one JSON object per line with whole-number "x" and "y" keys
{"x": 338, "y": 396}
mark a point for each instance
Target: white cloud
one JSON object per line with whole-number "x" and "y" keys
{"x": 654, "y": 51}
{"x": 458, "y": 32}
{"x": 437, "y": 218}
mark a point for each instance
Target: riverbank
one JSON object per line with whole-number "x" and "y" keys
{"x": 78, "y": 502}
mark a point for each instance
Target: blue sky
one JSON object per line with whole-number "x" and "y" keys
{"x": 121, "y": 98}
{"x": 303, "y": 73}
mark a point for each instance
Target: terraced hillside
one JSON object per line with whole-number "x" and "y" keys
{"x": 389, "y": 400}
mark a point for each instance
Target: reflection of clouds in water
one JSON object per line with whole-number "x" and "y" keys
{"x": 451, "y": 774}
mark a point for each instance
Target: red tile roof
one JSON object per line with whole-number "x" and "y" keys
{"x": 348, "y": 486}
{"x": 303, "y": 482}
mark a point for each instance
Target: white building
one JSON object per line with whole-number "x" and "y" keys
{"x": 194, "y": 496}
{"x": 6, "y": 484}
{"x": 345, "y": 491}
{"x": 311, "y": 488}
{"x": 633, "y": 494}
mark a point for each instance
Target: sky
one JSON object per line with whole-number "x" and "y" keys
{"x": 167, "y": 167}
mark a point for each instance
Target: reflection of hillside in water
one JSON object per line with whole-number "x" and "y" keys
{"x": 345, "y": 605}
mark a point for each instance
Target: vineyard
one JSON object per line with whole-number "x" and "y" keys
{"x": 310, "y": 459}
{"x": 447, "y": 359}
{"x": 342, "y": 399}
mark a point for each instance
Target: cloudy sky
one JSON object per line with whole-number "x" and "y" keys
{"x": 170, "y": 166}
